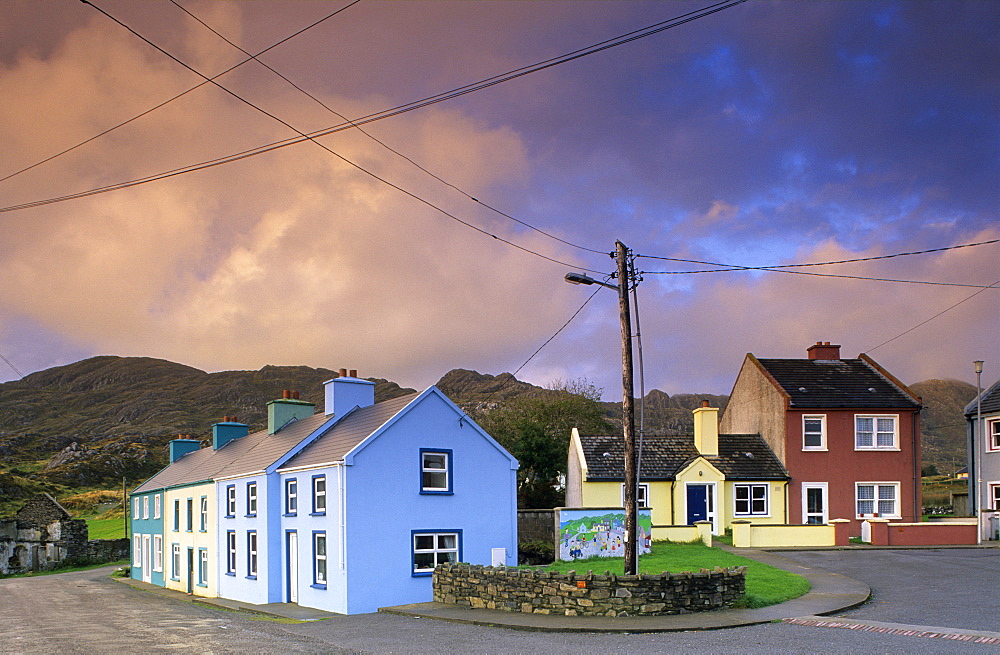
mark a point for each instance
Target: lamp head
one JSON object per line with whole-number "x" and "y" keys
{"x": 979, "y": 365}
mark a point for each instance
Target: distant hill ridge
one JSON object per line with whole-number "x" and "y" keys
{"x": 94, "y": 421}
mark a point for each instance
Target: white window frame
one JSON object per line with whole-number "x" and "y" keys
{"x": 137, "y": 549}
{"x": 441, "y": 553}
{"x": 435, "y": 471}
{"x": 135, "y": 508}
{"x": 992, "y": 434}
{"x": 822, "y": 431}
{"x": 251, "y": 499}
{"x": 203, "y": 514}
{"x": 231, "y": 501}
{"x": 320, "y": 570}
{"x": 252, "y": 553}
{"x": 641, "y": 496}
{"x": 876, "y": 432}
{"x": 203, "y": 566}
{"x": 157, "y": 506}
{"x": 145, "y": 507}
{"x": 291, "y": 496}
{"x": 750, "y": 500}
{"x": 993, "y": 489}
{"x": 877, "y": 499}
{"x": 175, "y": 561}
{"x": 157, "y": 552}
{"x": 231, "y": 552}
{"x": 319, "y": 495}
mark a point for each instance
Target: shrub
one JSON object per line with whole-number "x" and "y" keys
{"x": 535, "y": 552}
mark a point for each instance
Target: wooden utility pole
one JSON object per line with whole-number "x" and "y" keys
{"x": 628, "y": 415}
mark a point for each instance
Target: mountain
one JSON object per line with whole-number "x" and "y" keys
{"x": 943, "y": 425}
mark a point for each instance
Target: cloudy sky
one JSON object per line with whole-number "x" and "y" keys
{"x": 766, "y": 134}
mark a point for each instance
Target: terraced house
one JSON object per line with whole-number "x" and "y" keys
{"x": 345, "y": 510}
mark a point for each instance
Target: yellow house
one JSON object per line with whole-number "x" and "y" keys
{"x": 189, "y": 539}
{"x": 683, "y": 479}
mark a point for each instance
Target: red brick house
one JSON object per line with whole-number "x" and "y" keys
{"x": 846, "y": 430}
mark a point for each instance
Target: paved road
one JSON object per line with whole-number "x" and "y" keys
{"x": 88, "y": 612}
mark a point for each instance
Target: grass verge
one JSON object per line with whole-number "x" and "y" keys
{"x": 68, "y": 568}
{"x": 766, "y": 585}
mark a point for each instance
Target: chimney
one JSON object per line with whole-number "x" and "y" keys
{"x": 706, "y": 429}
{"x": 285, "y": 409}
{"x": 181, "y": 447}
{"x": 347, "y": 392}
{"x": 226, "y": 430}
{"x": 823, "y": 350}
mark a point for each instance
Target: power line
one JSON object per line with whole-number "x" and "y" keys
{"x": 395, "y": 111}
{"x": 179, "y": 95}
{"x": 948, "y": 309}
{"x": 329, "y": 150}
{"x": 375, "y": 139}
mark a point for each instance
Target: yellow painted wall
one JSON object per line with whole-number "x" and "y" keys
{"x": 609, "y": 494}
{"x": 769, "y": 536}
{"x": 776, "y": 504}
{"x": 699, "y": 472}
{"x": 195, "y": 539}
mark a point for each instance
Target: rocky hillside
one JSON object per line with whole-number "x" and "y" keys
{"x": 943, "y": 425}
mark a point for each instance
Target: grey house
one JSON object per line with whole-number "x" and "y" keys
{"x": 984, "y": 455}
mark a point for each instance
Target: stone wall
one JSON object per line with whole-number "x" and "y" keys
{"x": 40, "y": 537}
{"x": 108, "y": 550}
{"x": 572, "y": 594}
{"x": 536, "y": 525}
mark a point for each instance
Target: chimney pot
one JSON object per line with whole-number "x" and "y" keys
{"x": 343, "y": 372}
{"x": 286, "y": 394}
{"x": 354, "y": 373}
{"x": 704, "y": 403}
{"x": 295, "y": 395}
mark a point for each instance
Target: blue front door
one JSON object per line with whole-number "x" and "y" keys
{"x": 697, "y": 503}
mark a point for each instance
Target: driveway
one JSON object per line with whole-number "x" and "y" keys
{"x": 89, "y": 612}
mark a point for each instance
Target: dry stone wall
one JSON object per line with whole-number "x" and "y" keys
{"x": 588, "y": 594}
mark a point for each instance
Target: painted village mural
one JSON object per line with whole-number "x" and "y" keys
{"x": 585, "y": 533}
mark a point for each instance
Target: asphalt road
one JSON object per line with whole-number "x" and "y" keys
{"x": 89, "y": 612}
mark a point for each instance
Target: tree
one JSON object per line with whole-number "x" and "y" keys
{"x": 536, "y": 429}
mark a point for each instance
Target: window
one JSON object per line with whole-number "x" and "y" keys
{"x": 136, "y": 549}
{"x": 231, "y": 552}
{"x": 135, "y": 508}
{"x": 157, "y": 552}
{"x": 203, "y": 522}
{"x": 319, "y": 494}
{"x": 435, "y": 471}
{"x": 157, "y": 501}
{"x": 995, "y": 496}
{"x": 145, "y": 507}
{"x": 203, "y": 567}
{"x": 993, "y": 430}
{"x": 433, "y": 548}
{"x": 751, "y": 499}
{"x": 251, "y": 499}
{"x": 190, "y": 514}
{"x": 875, "y": 432}
{"x": 177, "y": 514}
{"x": 291, "y": 497}
{"x": 642, "y": 495}
{"x": 231, "y": 501}
{"x": 814, "y": 432}
{"x": 878, "y": 498}
{"x": 252, "y": 554}
{"x": 319, "y": 559}
{"x": 175, "y": 561}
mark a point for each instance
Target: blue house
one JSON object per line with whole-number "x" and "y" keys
{"x": 347, "y": 510}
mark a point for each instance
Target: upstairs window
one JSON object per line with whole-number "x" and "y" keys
{"x": 251, "y": 499}
{"x": 993, "y": 430}
{"x": 435, "y": 471}
{"x": 190, "y": 514}
{"x": 231, "y": 501}
{"x": 145, "y": 507}
{"x": 177, "y": 515}
{"x": 291, "y": 497}
{"x": 135, "y": 508}
{"x": 751, "y": 499}
{"x": 319, "y": 494}
{"x": 156, "y": 506}
{"x": 203, "y": 526}
{"x": 875, "y": 432}
{"x": 814, "y": 432}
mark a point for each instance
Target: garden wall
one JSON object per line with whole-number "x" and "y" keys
{"x": 572, "y": 594}
{"x": 884, "y": 533}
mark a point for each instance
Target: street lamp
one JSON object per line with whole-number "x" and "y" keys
{"x": 977, "y": 437}
{"x": 625, "y": 278}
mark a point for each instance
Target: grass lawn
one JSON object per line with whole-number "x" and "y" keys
{"x": 766, "y": 585}
{"x": 106, "y": 528}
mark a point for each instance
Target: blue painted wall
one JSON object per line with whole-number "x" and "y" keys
{"x": 241, "y": 585}
{"x": 147, "y": 527}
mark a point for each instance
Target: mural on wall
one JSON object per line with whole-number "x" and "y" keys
{"x": 594, "y": 532}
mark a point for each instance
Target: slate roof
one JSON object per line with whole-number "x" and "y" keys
{"x": 248, "y": 454}
{"x": 833, "y": 383}
{"x": 990, "y": 401}
{"x": 347, "y": 433}
{"x": 741, "y": 457}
